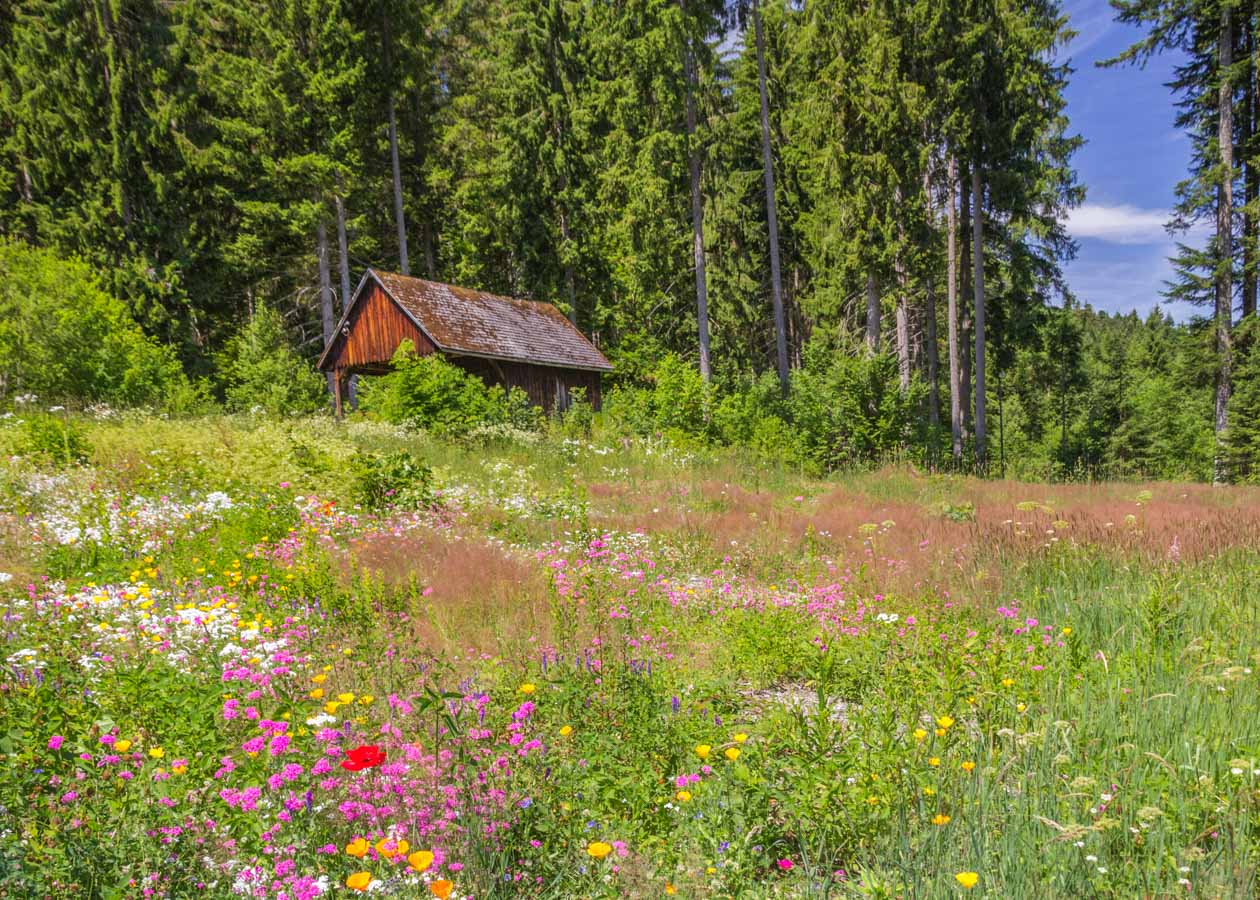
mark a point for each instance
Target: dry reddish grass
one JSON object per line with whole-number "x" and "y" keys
{"x": 925, "y": 550}
{"x": 482, "y": 597}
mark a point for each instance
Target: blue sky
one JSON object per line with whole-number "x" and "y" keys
{"x": 1130, "y": 164}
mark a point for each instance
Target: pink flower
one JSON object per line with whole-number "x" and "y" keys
{"x": 55, "y": 742}
{"x": 785, "y": 864}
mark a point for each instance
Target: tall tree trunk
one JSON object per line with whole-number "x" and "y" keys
{"x": 343, "y": 251}
{"x": 951, "y": 292}
{"x": 325, "y": 291}
{"x": 1251, "y": 175}
{"x": 399, "y": 218}
{"x": 964, "y": 268}
{"x": 872, "y": 314}
{"x": 977, "y": 255}
{"x": 902, "y": 310}
{"x": 697, "y": 204}
{"x": 772, "y": 216}
{"x": 1224, "y": 239}
{"x": 929, "y": 316}
{"x": 426, "y": 238}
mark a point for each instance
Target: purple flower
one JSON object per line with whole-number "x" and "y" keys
{"x": 55, "y": 742}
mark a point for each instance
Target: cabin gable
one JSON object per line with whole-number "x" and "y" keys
{"x": 372, "y": 331}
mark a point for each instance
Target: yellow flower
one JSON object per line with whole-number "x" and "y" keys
{"x": 599, "y": 849}
{"x": 919, "y": 734}
{"x": 122, "y": 746}
{"x": 179, "y": 770}
{"x": 683, "y": 796}
{"x": 967, "y": 879}
{"x": 420, "y": 860}
{"x": 968, "y": 766}
{"x": 345, "y": 698}
{"x": 670, "y": 889}
{"x": 331, "y": 707}
{"x": 441, "y": 888}
{"x": 740, "y": 738}
{"x": 527, "y": 688}
{"x": 366, "y": 699}
{"x": 929, "y": 792}
{"x": 940, "y": 819}
{"x": 359, "y": 881}
{"x": 389, "y": 848}
{"x": 320, "y": 678}
{"x": 1067, "y": 631}
{"x": 940, "y": 732}
{"x": 934, "y": 761}
{"x": 566, "y": 731}
{"x": 732, "y": 753}
{"x": 1008, "y": 682}
{"x": 702, "y": 750}
{"x": 357, "y": 848}
{"x": 1021, "y": 707}
{"x": 944, "y": 722}
{"x": 710, "y": 871}
{"x": 317, "y": 693}
{"x": 156, "y": 752}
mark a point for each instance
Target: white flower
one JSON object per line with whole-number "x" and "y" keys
{"x": 1102, "y": 870}
{"x": 1235, "y": 771}
{"x": 1091, "y": 858}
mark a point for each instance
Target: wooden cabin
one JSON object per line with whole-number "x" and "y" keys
{"x": 513, "y": 343}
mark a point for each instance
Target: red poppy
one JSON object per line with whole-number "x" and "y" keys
{"x": 365, "y": 756}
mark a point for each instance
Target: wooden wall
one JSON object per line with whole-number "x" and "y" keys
{"x": 376, "y": 327}
{"x": 546, "y": 386}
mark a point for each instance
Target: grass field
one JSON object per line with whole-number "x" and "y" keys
{"x": 263, "y": 659}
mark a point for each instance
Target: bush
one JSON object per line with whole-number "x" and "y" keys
{"x": 675, "y": 402}
{"x": 260, "y": 370}
{"x": 428, "y": 392}
{"x": 65, "y": 340}
{"x": 54, "y": 439}
{"x": 850, "y": 410}
{"x": 391, "y": 479}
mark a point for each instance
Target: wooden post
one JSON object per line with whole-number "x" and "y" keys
{"x": 337, "y": 380}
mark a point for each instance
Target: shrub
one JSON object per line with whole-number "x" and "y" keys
{"x": 849, "y": 409}
{"x": 391, "y": 479}
{"x": 54, "y": 439}
{"x": 260, "y": 370}
{"x": 675, "y": 401}
{"x": 65, "y": 340}
{"x": 428, "y": 392}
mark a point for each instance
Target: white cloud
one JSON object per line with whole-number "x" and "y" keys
{"x": 1122, "y": 224}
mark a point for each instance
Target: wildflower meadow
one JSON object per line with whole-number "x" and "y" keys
{"x": 291, "y": 659}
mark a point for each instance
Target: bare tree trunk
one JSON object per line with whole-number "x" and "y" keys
{"x": 772, "y": 216}
{"x": 426, "y": 237}
{"x": 977, "y": 254}
{"x": 399, "y": 218}
{"x": 964, "y": 269}
{"x": 872, "y": 314}
{"x": 343, "y": 252}
{"x": 697, "y": 206}
{"x": 934, "y": 396}
{"x": 901, "y": 311}
{"x": 1251, "y": 177}
{"x": 325, "y": 291}
{"x": 1224, "y": 241}
{"x": 951, "y": 292}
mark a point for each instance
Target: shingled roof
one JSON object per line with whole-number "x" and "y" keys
{"x": 474, "y": 323}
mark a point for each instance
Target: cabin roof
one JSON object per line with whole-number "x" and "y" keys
{"x": 474, "y": 323}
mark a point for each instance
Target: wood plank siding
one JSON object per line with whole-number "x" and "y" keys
{"x": 546, "y": 386}
{"x": 372, "y": 332}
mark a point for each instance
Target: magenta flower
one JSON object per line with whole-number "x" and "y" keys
{"x": 785, "y": 864}
{"x": 55, "y": 742}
